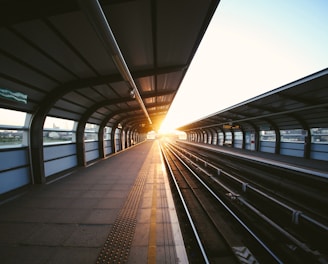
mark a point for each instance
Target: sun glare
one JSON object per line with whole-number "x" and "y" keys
{"x": 166, "y": 128}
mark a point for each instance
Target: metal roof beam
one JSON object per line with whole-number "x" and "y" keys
{"x": 98, "y": 20}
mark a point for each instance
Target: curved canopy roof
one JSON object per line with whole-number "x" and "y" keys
{"x": 302, "y": 104}
{"x": 60, "y": 54}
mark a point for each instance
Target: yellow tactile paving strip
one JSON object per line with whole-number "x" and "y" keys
{"x": 117, "y": 246}
{"x": 146, "y": 229}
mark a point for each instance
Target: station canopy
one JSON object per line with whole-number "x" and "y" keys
{"x": 111, "y": 63}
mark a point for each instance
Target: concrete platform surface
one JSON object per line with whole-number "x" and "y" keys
{"x": 119, "y": 210}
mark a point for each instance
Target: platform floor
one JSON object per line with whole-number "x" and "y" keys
{"x": 115, "y": 211}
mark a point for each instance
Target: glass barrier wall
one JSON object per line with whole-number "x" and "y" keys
{"x": 319, "y": 135}
{"x": 13, "y": 128}
{"x": 293, "y": 135}
{"x": 58, "y": 131}
{"x": 91, "y": 132}
{"x": 267, "y": 135}
{"x": 107, "y": 133}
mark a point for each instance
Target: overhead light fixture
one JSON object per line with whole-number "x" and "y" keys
{"x": 132, "y": 94}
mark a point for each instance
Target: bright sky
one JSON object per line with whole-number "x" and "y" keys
{"x": 251, "y": 47}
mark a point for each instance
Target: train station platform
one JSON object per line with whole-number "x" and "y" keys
{"x": 315, "y": 167}
{"x": 119, "y": 210}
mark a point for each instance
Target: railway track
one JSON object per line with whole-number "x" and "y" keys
{"x": 296, "y": 201}
{"x": 219, "y": 236}
{"x": 249, "y": 226}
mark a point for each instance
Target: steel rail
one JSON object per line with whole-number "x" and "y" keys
{"x": 256, "y": 190}
{"x": 241, "y": 222}
{"x": 186, "y": 210}
{"x": 300, "y": 244}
